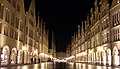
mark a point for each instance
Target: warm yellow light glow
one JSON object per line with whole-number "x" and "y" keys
{"x": 54, "y": 58}
{"x": 104, "y": 60}
{"x": 116, "y": 60}
{"x": 72, "y": 56}
{"x": 51, "y": 56}
{"x": 46, "y": 55}
{"x": 89, "y": 66}
{"x": 77, "y": 55}
{"x": 109, "y": 59}
{"x": 80, "y": 54}
{"x": 118, "y": 1}
{"x": 23, "y": 48}
{"x": 100, "y": 48}
{"x": 35, "y": 51}
{"x": 1, "y": 4}
{"x": 84, "y": 53}
{"x": 42, "y": 65}
{"x": 91, "y": 51}
{"x": 42, "y": 54}
{"x": 35, "y": 66}
{"x": 71, "y": 63}
{"x": 24, "y": 67}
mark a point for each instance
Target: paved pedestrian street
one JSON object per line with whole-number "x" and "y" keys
{"x": 50, "y": 65}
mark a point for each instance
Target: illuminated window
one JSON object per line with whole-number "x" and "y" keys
{"x": 105, "y": 24}
{"x": 116, "y": 19}
{"x": 116, "y": 34}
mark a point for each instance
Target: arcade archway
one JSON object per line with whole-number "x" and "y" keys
{"x": 19, "y": 57}
{"x": 115, "y": 56}
{"x": 5, "y": 55}
{"x": 13, "y": 56}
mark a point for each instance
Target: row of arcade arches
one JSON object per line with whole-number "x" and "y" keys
{"x": 105, "y": 57}
{"x": 108, "y": 57}
{"x": 14, "y": 56}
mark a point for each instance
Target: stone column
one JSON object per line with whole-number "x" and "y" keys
{"x": 112, "y": 58}
{"x": 15, "y": 58}
{"x": 9, "y": 58}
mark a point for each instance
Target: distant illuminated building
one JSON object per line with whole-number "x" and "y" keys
{"x": 60, "y": 55}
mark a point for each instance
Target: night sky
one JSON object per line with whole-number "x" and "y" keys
{"x": 62, "y": 17}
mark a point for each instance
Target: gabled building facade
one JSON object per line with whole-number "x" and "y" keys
{"x": 99, "y": 38}
{"x": 22, "y": 39}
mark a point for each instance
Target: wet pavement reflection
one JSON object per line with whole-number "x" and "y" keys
{"x": 50, "y": 65}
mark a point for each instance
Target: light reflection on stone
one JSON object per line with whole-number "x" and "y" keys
{"x": 60, "y": 66}
{"x": 42, "y": 65}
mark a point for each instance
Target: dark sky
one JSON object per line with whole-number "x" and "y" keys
{"x": 62, "y": 17}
